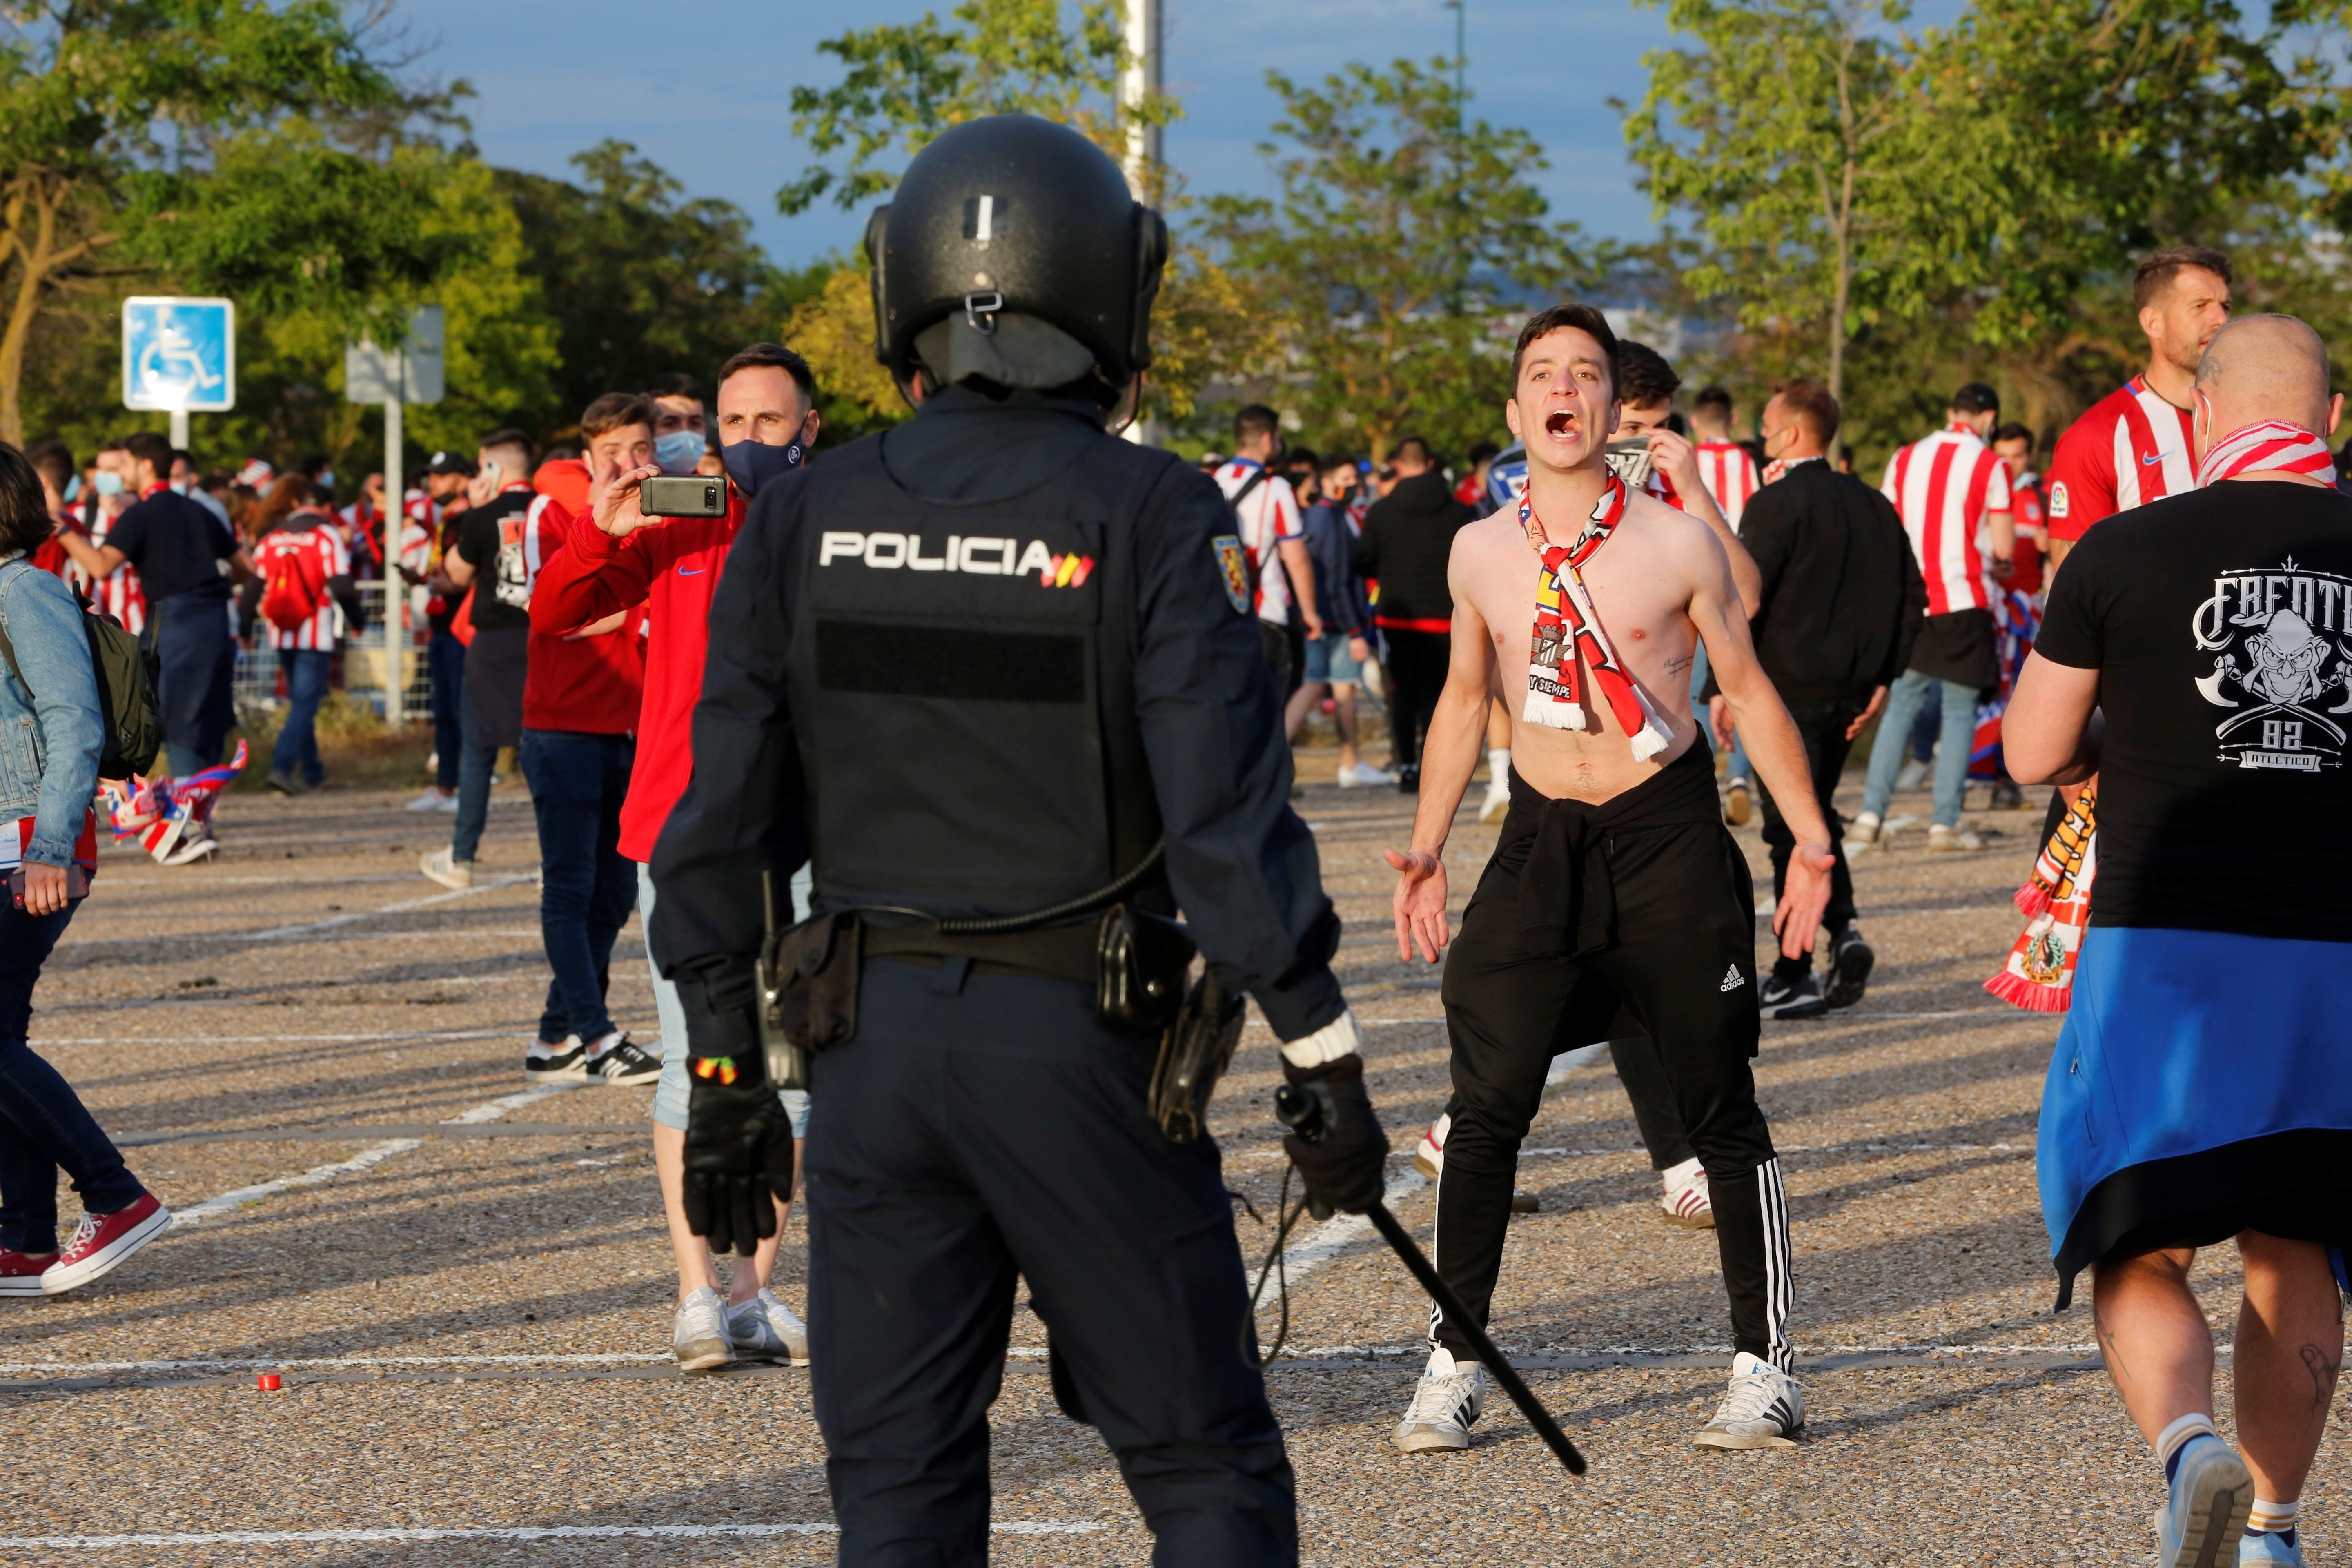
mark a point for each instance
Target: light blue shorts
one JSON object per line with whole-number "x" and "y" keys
{"x": 670, "y": 1093}
{"x": 1328, "y": 660}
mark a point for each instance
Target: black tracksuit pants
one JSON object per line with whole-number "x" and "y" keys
{"x": 1821, "y": 726}
{"x": 1417, "y": 665}
{"x": 982, "y": 1126}
{"x": 1644, "y": 902}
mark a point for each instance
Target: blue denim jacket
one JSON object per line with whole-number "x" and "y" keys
{"x": 49, "y": 742}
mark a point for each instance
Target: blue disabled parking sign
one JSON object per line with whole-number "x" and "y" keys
{"x": 179, "y": 355}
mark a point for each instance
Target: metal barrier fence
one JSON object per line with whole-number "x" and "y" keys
{"x": 359, "y": 665}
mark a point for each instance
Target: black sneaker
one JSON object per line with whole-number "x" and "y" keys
{"x": 1409, "y": 779}
{"x": 621, "y": 1063}
{"x": 566, "y": 1063}
{"x": 1778, "y": 997}
{"x": 1850, "y": 961}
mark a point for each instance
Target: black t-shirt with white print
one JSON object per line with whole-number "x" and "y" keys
{"x": 2221, "y": 624}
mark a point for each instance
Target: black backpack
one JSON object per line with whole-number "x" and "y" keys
{"x": 126, "y": 693}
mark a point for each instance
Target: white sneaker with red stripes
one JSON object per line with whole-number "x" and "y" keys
{"x": 1429, "y": 1157}
{"x": 1687, "y": 1201}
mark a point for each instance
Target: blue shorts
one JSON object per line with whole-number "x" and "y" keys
{"x": 670, "y": 1093}
{"x": 1328, "y": 660}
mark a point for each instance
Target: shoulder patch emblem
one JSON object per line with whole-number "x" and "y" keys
{"x": 1234, "y": 565}
{"x": 2058, "y": 498}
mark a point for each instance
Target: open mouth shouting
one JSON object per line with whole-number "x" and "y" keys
{"x": 1563, "y": 429}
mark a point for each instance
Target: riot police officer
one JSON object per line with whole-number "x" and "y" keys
{"x": 991, "y": 664}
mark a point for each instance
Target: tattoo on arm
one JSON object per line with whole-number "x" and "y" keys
{"x": 2322, "y": 1375}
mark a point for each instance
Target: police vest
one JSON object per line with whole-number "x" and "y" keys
{"x": 961, "y": 681}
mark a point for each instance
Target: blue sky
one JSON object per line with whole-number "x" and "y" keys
{"x": 704, "y": 88}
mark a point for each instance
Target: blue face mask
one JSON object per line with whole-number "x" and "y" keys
{"x": 326, "y": 478}
{"x": 751, "y": 465}
{"x": 108, "y": 482}
{"x": 680, "y": 451}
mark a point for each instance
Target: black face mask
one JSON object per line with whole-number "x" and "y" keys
{"x": 751, "y": 464}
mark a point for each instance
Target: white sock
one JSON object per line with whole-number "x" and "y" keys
{"x": 2271, "y": 1518}
{"x": 2178, "y": 1436}
{"x": 606, "y": 1044}
{"x": 1498, "y": 768}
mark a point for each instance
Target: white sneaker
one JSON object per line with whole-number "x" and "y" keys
{"x": 1448, "y": 1400}
{"x": 1429, "y": 1157}
{"x": 430, "y": 800}
{"x": 1362, "y": 773}
{"x": 698, "y": 1336}
{"x": 1861, "y": 834}
{"x": 1496, "y": 804}
{"x": 1944, "y": 840}
{"x": 193, "y": 850}
{"x": 764, "y": 1329}
{"x": 439, "y": 867}
{"x": 2203, "y": 1517}
{"x": 1688, "y": 1201}
{"x": 448, "y": 803}
{"x": 1912, "y": 774}
{"x": 1764, "y": 1409}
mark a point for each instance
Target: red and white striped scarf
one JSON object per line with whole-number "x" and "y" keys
{"x": 1567, "y": 623}
{"x": 2271, "y": 443}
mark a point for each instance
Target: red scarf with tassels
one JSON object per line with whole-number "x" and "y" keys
{"x": 2057, "y": 903}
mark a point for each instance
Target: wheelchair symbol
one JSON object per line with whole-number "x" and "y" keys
{"x": 173, "y": 362}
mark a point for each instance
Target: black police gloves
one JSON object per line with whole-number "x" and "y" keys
{"x": 739, "y": 1152}
{"x": 1338, "y": 1145}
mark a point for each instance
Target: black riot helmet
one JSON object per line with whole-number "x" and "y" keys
{"x": 1016, "y": 215}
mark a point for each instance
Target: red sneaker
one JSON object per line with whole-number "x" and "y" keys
{"x": 20, "y": 1272}
{"x": 103, "y": 1240}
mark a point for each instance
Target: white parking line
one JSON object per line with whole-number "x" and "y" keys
{"x": 515, "y": 1532}
{"x": 417, "y": 1036}
{"x": 374, "y": 1154}
{"x": 311, "y": 928}
{"x": 1334, "y": 1237}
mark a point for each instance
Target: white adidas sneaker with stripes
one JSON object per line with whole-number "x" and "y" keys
{"x": 1686, "y": 1201}
{"x": 1764, "y": 1409}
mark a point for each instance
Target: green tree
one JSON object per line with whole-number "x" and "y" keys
{"x": 110, "y": 107}
{"x": 639, "y": 279}
{"x": 1793, "y": 134}
{"x": 907, "y": 82}
{"x": 1401, "y": 231}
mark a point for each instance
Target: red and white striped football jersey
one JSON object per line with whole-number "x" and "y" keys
{"x": 121, "y": 594}
{"x": 1267, "y": 516}
{"x": 2131, "y": 448}
{"x": 1945, "y": 487}
{"x": 332, "y": 558}
{"x": 1730, "y": 476}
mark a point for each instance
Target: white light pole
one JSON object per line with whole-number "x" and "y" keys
{"x": 395, "y": 591}
{"x": 1138, "y": 85}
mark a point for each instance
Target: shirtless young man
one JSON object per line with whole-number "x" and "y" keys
{"x": 1614, "y": 880}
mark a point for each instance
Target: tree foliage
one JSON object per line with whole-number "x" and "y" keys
{"x": 109, "y": 110}
{"x": 907, "y": 82}
{"x": 1401, "y": 231}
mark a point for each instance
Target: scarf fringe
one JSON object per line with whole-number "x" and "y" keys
{"x": 2019, "y": 992}
{"x": 1552, "y": 713}
{"x": 2032, "y": 901}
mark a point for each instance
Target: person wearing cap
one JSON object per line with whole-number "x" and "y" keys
{"x": 998, "y": 664}
{"x": 428, "y": 533}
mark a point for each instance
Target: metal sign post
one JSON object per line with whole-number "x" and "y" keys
{"x": 179, "y": 356}
{"x": 410, "y": 373}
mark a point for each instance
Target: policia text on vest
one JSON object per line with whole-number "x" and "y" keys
{"x": 975, "y": 666}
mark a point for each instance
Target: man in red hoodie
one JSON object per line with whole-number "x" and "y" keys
{"x": 616, "y": 559}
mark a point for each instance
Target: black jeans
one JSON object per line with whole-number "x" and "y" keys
{"x": 43, "y": 1123}
{"x": 197, "y": 658}
{"x": 1821, "y": 726}
{"x": 1662, "y": 922}
{"x": 982, "y": 1128}
{"x": 445, "y": 663}
{"x": 1417, "y": 662}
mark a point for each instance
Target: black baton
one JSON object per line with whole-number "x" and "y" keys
{"x": 1291, "y": 1103}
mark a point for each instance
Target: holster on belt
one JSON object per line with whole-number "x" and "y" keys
{"x": 808, "y": 976}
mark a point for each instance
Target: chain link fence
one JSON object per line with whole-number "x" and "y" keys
{"x": 359, "y": 664}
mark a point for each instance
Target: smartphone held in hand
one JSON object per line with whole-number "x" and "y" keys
{"x": 77, "y": 885}
{"x": 686, "y": 495}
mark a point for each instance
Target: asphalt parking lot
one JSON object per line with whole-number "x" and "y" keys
{"x": 315, "y": 1056}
